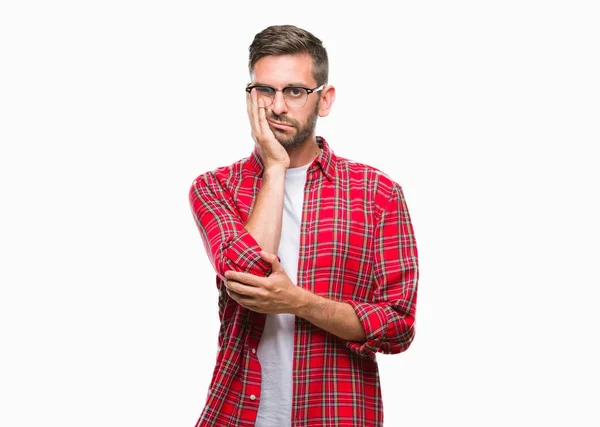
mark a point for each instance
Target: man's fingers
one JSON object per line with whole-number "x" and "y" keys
{"x": 262, "y": 118}
{"x": 255, "y": 119}
{"x": 253, "y": 114}
{"x": 243, "y": 278}
{"x": 246, "y": 287}
{"x": 271, "y": 259}
{"x": 249, "y": 109}
{"x": 243, "y": 298}
{"x": 236, "y": 287}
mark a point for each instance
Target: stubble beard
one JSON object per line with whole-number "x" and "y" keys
{"x": 301, "y": 132}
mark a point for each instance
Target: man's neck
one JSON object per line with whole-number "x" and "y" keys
{"x": 304, "y": 154}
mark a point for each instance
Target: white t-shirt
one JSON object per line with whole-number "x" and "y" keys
{"x": 276, "y": 348}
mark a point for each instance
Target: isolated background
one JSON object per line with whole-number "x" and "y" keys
{"x": 486, "y": 113}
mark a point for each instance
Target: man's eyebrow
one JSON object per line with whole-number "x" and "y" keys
{"x": 288, "y": 85}
{"x": 298, "y": 84}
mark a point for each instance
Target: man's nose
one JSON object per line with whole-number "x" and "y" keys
{"x": 279, "y": 106}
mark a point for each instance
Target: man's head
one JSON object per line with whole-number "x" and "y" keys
{"x": 283, "y": 56}
{"x": 290, "y": 40}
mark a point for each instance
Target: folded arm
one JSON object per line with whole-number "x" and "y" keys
{"x": 388, "y": 319}
{"x": 337, "y": 318}
{"x": 229, "y": 243}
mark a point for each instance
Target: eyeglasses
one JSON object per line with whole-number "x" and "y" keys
{"x": 294, "y": 96}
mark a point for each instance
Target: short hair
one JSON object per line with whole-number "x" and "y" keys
{"x": 289, "y": 40}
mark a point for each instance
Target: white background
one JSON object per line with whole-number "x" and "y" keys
{"x": 486, "y": 113}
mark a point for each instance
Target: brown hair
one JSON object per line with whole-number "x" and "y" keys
{"x": 290, "y": 40}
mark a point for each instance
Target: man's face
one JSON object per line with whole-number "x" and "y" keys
{"x": 280, "y": 72}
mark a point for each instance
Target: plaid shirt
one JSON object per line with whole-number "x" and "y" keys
{"x": 356, "y": 245}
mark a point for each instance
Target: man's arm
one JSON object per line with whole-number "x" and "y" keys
{"x": 278, "y": 294}
{"x": 230, "y": 244}
{"x": 385, "y": 323}
{"x": 388, "y": 319}
{"x": 337, "y": 318}
{"x": 264, "y": 224}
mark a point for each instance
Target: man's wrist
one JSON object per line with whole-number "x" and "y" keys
{"x": 275, "y": 169}
{"x": 306, "y": 302}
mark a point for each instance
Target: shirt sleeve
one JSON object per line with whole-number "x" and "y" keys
{"x": 388, "y": 320}
{"x": 228, "y": 244}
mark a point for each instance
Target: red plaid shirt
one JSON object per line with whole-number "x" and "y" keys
{"x": 356, "y": 245}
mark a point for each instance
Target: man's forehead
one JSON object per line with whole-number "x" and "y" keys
{"x": 288, "y": 70}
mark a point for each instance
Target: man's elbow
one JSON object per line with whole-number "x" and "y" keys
{"x": 243, "y": 260}
{"x": 400, "y": 338}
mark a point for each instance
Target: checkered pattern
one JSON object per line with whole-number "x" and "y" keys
{"x": 356, "y": 245}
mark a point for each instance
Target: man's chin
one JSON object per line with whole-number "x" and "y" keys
{"x": 286, "y": 142}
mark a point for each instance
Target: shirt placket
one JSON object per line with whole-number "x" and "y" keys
{"x": 255, "y": 323}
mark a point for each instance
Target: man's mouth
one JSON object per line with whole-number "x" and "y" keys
{"x": 280, "y": 125}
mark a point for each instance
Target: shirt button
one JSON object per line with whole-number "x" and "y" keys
{"x": 253, "y": 351}
{"x": 252, "y": 397}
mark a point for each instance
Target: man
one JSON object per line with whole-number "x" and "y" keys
{"x": 315, "y": 257}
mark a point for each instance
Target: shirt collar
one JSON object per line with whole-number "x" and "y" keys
{"x": 325, "y": 161}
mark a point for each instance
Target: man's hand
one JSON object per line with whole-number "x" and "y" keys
{"x": 271, "y": 295}
{"x": 271, "y": 150}
{"x": 277, "y": 294}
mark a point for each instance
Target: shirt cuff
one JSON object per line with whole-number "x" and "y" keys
{"x": 374, "y": 322}
{"x": 243, "y": 254}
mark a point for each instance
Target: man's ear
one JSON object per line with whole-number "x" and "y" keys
{"x": 326, "y": 101}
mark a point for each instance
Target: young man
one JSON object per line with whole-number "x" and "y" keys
{"x": 315, "y": 258}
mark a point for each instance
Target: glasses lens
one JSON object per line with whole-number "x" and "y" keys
{"x": 295, "y": 96}
{"x": 266, "y": 94}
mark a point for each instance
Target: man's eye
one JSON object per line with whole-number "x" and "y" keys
{"x": 264, "y": 90}
{"x": 295, "y": 92}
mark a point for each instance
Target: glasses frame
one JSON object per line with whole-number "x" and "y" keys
{"x": 308, "y": 91}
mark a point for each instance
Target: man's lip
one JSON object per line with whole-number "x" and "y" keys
{"x": 277, "y": 124}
